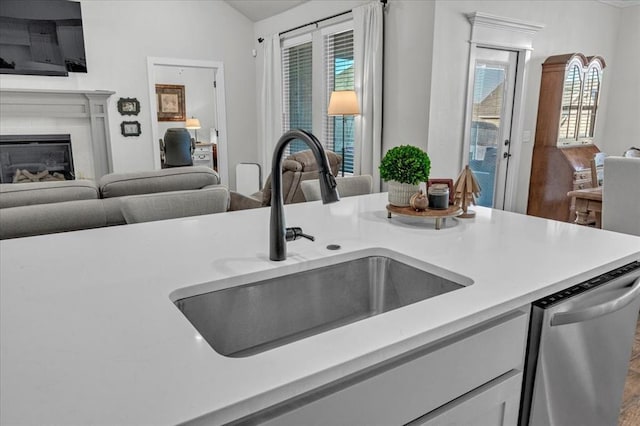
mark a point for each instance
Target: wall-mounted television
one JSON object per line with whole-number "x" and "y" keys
{"x": 41, "y": 37}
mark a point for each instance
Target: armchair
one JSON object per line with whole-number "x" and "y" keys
{"x": 621, "y": 195}
{"x": 296, "y": 168}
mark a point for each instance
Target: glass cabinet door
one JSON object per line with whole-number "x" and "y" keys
{"x": 570, "y": 105}
{"x": 590, "y": 92}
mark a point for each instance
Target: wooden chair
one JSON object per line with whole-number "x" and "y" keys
{"x": 597, "y": 165}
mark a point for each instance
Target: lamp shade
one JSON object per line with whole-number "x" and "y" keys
{"x": 192, "y": 123}
{"x": 343, "y": 102}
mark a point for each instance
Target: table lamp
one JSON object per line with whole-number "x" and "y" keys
{"x": 344, "y": 103}
{"x": 193, "y": 123}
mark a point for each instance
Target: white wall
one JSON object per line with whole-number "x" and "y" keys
{"x": 588, "y": 27}
{"x": 119, "y": 36}
{"x": 622, "y": 115}
{"x": 408, "y": 65}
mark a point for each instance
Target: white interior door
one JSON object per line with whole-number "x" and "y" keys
{"x": 494, "y": 82}
{"x": 205, "y": 92}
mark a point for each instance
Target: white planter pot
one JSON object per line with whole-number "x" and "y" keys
{"x": 400, "y": 193}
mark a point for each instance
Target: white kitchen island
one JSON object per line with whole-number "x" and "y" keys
{"x": 89, "y": 333}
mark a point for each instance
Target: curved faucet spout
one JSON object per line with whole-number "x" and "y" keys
{"x": 278, "y": 231}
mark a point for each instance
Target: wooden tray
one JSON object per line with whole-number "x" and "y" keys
{"x": 438, "y": 215}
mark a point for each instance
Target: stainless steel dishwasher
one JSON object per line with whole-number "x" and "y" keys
{"x": 578, "y": 352}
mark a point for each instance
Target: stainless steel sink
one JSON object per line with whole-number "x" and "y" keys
{"x": 252, "y": 318}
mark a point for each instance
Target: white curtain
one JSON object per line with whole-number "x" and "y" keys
{"x": 368, "y": 52}
{"x": 270, "y": 101}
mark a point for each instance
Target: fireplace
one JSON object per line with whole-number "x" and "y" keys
{"x": 83, "y": 114}
{"x": 30, "y": 158}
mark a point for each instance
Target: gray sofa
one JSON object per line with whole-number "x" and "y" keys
{"x": 48, "y": 207}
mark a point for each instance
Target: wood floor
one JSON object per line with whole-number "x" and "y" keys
{"x": 630, "y": 412}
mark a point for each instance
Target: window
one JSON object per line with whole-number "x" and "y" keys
{"x": 307, "y": 87}
{"x": 297, "y": 70}
{"x": 339, "y": 74}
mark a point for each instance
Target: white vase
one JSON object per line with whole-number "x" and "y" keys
{"x": 400, "y": 193}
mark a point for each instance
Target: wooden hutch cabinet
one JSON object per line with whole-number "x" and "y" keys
{"x": 563, "y": 148}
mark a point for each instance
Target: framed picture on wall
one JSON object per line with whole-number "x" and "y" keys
{"x": 128, "y": 106}
{"x": 130, "y": 128}
{"x": 170, "y": 100}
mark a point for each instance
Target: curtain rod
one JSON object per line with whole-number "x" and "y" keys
{"x": 260, "y": 40}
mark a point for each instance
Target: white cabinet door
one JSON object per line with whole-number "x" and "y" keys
{"x": 493, "y": 404}
{"x": 415, "y": 384}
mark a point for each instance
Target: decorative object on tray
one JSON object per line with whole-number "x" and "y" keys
{"x": 170, "y": 102}
{"x": 438, "y": 196}
{"x": 419, "y": 201}
{"x": 467, "y": 189}
{"x": 128, "y": 106}
{"x": 130, "y": 128}
{"x": 439, "y": 215}
{"x": 448, "y": 182}
{"x": 404, "y": 167}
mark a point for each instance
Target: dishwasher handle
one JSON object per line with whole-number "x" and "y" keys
{"x": 596, "y": 311}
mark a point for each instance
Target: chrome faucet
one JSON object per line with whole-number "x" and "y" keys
{"x": 279, "y": 233}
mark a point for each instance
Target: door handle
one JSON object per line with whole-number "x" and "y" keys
{"x": 596, "y": 311}
{"x": 506, "y": 155}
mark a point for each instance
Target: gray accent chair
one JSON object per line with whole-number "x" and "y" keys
{"x": 621, "y": 195}
{"x": 296, "y": 168}
{"x": 175, "y": 204}
{"x": 347, "y": 186}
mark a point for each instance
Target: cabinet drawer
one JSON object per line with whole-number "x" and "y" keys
{"x": 206, "y": 156}
{"x": 406, "y": 388}
{"x": 495, "y": 403}
{"x": 582, "y": 184}
{"x": 582, "y": 175}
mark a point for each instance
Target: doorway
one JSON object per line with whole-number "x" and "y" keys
{"x": 204, "y": 100}
{"x": 494, "y": 81}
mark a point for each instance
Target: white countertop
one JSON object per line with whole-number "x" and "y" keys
{"x": 89, "y": 334}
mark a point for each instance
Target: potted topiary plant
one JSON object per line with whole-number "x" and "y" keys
{"x": 404, "y": 167}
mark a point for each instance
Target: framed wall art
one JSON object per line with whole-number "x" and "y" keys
{"x": 170, "y": 100}
{"x": 130, "y": 128}
{"x": 128, "y": 106}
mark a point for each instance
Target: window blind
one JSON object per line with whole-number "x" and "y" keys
{"x": 297, "y": 75}
{"x": 338, "y": 65}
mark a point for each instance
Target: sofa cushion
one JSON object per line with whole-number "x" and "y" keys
{"x": 113, "y": 211}
{"x": 31, "y": 193}
{"x": 169, "y": 205}
{"x": 24, "y": 221}
{"x": 165, "y": 180}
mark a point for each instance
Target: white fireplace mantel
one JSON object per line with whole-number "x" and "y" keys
{"x": 66, "y": 104}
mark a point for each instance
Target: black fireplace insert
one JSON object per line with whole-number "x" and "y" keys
{"x": 28, "y": 158}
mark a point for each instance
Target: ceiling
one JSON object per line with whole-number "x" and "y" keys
{"x": 257, "y": 10}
